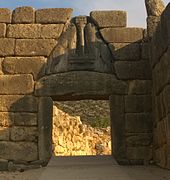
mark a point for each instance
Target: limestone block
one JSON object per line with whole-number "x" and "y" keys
{"x": 80, "y": 84}
{"x": 16, "y": 84}
{"x": 25, "y": 65}
{"x": 16, "y": 103}
{"x": 27, "y": 31}
{"x": 136, "y": 139}
{"x": 4, "y": 134}
{"x": 138, "y": 103}
{"x": 133, "y": 70}
{"x": 1, "y": 60}
{"x": 51, "y": 30}
{"x": 45, "y": 113}
{"x": 23, "y": 14}
{"x": 138, "y": 122}
{"x": 6, "y": 119}
{"x": 125, "y": 51}
{"x": 122, "y": 35}
{"x": 140, "y": 87}
{"x": 109, "y": 18}
{"x": 2, "y": 30}
{"x": 135, "y": 153}
{"x": 7, "y": 46}
{"x": 145, "y": 51}
{"x": 5, "y": 15}
{"x": 34, "y": 47}
{"x": 25, "y": 119}
{"x": 24, "y": 133}
{"x": 19, "y": 151}
{"x": 53, "y": 15}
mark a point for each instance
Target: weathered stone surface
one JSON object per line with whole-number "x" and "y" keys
{"x": 6, "y": 119}
{"x": 34, "y": 47}
{"x": 45, "y": 113}
{"x": 16, "y": 84}
{"x": 53, "y": 15}
{"x": 1, "y": 60}
{"x": 117, "y": 115}
{"x": 138, "y": 103}
{"x": 143, "y": 139}
{"x": 133, "y": 70}
{"x": 25, "y": 65}
{"x": 6, "y": 46}
{"x": 2, "y": 29}
{"x": 3, "y": 165}
{"x": 20, "y": 151}
{"x": 109, "y": 18}
{"x": 5, "y": 15}
{"x": 122, "y": 35}
{"x": 125, "y": 51}
{"x": 166, "y": 95}
{"x": 24, "y": 134}
{"x": 4, "y": 134}
{"x": 25, "y": 119}
{"x": 140, "y": 87}
{"x": 138, "y": 122}
{"x": 134, "y": 153}
{"x": 145, "y": 51}
{"x": 27, "y": 31}
{"x": 51, "y": 30}
{"x": 152, "y": 23}
{"x": 154, "y": 7}
{"x": 80, "y": 84}
{"x": 16, "y": 103}
{"x": 23, "y": 14}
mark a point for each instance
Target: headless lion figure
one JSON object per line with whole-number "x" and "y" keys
{"x": 154, "y": 7}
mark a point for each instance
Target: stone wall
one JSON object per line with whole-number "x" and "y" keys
{"x": 160, "y": 61}
{"x": 72, "y": 137}
{"x": 35, "y": 47}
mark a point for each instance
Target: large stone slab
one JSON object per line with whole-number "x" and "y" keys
{"x": 53, "y": 15}
{"x": 21, "y": 31}
{"x": 45, "y": 114}
{"x": 129, "y": 70}
{"x": 138, "y": 122}
{"x": 7, "y": 46}
{"x": 25, "y": 65}
{"x": 18, "y": 103}
{"x": 16, "y": 84}
{"x": 125, "y": 51}
{"x": 19, "y": 151}
{"x": 51, "y": 30}
{"x": 138, "y": 103}
{"x": 24, "y": 133}
{"x": 140, "y": 87}
{"x": 80, "y": 84}
{"x": 25, "y": 119}
{"x": 122, "y": 35}
{"x": 4, "y": 135}
{"x": 34, "y": 47}
{"x": 109, "y": 18}
{"x": 2, "y": 29}
{"x": 23, "y": 14}
{"x": 5, "y": 15}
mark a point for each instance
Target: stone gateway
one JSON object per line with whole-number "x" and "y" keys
{"x": 46, "y": 55}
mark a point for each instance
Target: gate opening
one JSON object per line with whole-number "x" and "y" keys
{"x": 81, "y": 128}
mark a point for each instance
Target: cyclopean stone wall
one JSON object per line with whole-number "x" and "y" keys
{"x": 47, "y": 56}
{"x": 160, "y": 62}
